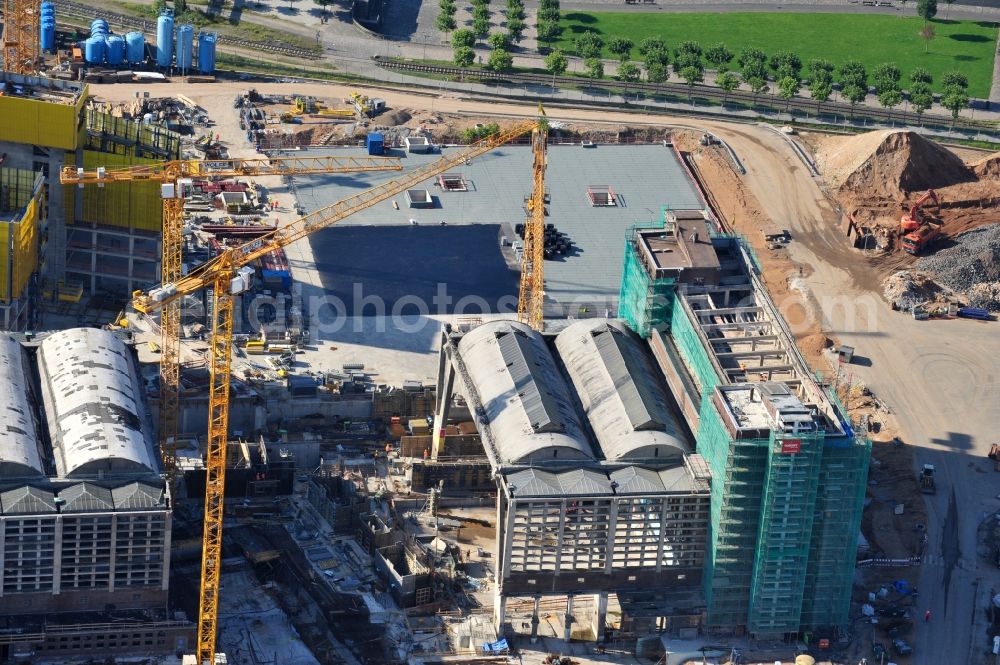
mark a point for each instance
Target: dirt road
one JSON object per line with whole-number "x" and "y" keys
{"x": 940, "y": 377}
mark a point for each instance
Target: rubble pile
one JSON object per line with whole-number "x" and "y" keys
{"x": 905, "y": 290}
{"x": 973, "y": 258}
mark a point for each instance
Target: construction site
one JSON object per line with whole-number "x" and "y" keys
{"x": 307, "y": 373}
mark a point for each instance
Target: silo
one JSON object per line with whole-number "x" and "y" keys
{"x": 185, "y": 47}
{"x": 48, "y": 33}
{"x": 135, "y": 48}
{"x": 206, "y": 53}
{"x": 98, "y": 27}
{"x": 164, "y": 39}
{"x": 115, "y": 50}
{"x": 93, "y": 50}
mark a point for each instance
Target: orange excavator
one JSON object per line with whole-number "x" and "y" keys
{"x": 911, "y": 221}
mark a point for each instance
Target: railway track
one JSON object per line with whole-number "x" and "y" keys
{"x": 682, "y": 92}
{"x": 89, "y": 12}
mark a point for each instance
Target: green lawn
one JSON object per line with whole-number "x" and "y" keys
{"x": 967, "y": 46}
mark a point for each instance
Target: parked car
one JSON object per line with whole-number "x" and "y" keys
{"x": 901, "y": 647}
{"x": 878, "y": 650}
{"x": 894, "y": 612}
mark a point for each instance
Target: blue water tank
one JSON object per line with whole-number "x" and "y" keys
{"x": 185, "y": 47}
{"x": 135, "y": 48}
{"x": 116, "y": 50}
{"x": 206, "y": 53}
{"x": 98, "y": 26}
{"x": 93, "y": 50}
{"x": 48, "y": 33}
{"x": 164, "y": 39}
{"x": 49, "y": 7}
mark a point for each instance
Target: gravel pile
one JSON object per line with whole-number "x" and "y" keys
{"x": 986, "y": 295}
{"x": 973, "y": 259}
{"x": 904, "y": 290}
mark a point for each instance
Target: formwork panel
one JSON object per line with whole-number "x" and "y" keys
{"x": 130, "y": 205}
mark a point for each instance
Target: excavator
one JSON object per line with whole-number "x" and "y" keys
{"x": 911, "y": 221}
{"x": 918, "y": 231}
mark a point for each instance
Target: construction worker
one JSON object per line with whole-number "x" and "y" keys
{"x": 927, "y": 616}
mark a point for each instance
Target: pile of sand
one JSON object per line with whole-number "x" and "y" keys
{"x": 889, "y": 164}
{"x": 988, "y": 167}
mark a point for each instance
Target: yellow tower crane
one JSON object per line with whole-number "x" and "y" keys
{"x": 21, "y": 36}
{"x": 220, "y": 275}
{"x": 531, "y": 296}
{"x": 175, "y": 178}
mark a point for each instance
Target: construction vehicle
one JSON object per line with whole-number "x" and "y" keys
{"x": 176, "y": 179}
{"x": 927, "y": 485}
{"x": 365, "y": 106}
{"x": 225, "y": 277}
{"x": 994, "y": 455}
{"x": 916, "y": 241}
{"x": 911, "y": 221}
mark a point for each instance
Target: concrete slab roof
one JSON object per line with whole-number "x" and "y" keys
{"x": 644, "y": 178}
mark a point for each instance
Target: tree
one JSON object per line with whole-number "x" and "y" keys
{"x": 656, "y": 71}
{"x": 820, "y": 90}
{"x": 650, "y": 44}
{"x": 887, "y": 77}
{"x": 481, "y": 26}
{"x": 921, "y": 97}
{"x": 589, "y": 45}
{"x": 955, "y": 79}
{"x": 446, "y": 22}
{"x": 821, "y": 69}
{"x": 853, "y": 93}
{"x": 498, "y": 41}
{"x": 515, "y": 30}
{"x": 890, "y": 99}
{"x": 515, "y": 13}
{"x": 728, "y": 82}
{"x": 692, "y": 75}
{"x": 719, "y": 56}
{"x": 927, "y": 9}
{"x": 927, "y": 34}
{"x": 628, "y": 72}
{"x": 180, "y": 6}
{"x": 622, "y": 47}
{"x": 688, "y": 54}
{"x": 955, "y": 99}
{"x": 921, "y": 75}
{"x": 548, "y": 15}
{"x": 788, "y": 87}
{"x": 758, "y": 86}
{"x": 500, "y": 60}
{"x": 556, "y": 63}
{"x": 753, "y": 64}
{"x": 948, "y": 12}
{"x": 547, "y": 31}
{"x": 594, "y": 68}
{"x": 463, "y": 37}
{"x": 480, "y": 11}
{"x": 447, "y": 6}
{"x": 464, "y": 56}
{"x": 854, "y": 73}
{"x": 159, "y": 6}
{"x": 786, "y": 64}
{"x": 657, "y": 55}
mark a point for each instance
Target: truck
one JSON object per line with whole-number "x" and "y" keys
{"x": 916, "y": 241}
{"x": 927, "y": 485}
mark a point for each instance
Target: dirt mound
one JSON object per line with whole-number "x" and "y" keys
{"x": 890, "y": 164}
{"x": 904, "y": 290}
{"x": 988, "y": 167}
{"x": 973, "y": 258}
{"x": 396, "y": 118}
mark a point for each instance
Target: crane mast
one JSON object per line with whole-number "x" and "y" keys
{"x": 218, "y": 275}
{"x": 21, "y": 36}
{"x": 531, "y": 295}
